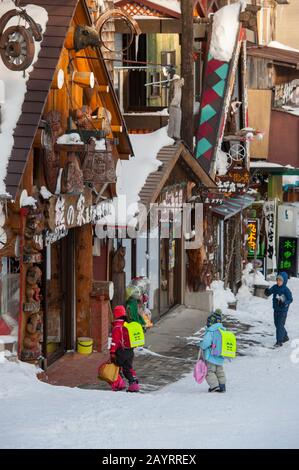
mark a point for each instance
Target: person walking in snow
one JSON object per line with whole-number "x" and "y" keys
{"x": 282, "y": 298}
{"x": 215, "y": 376}
{"x": 121, "y": 352}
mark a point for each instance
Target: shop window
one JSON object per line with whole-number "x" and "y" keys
{"x": 127, "y": 243}
{"x": 155, "y": 89}
{"x": 9, "y": 300}
{"x": 141, "y": 256}
{"x": 154, "y": 269}
{"x": 168, "y": 58}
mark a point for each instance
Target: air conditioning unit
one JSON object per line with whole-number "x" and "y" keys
{"x": 288, "y": 220}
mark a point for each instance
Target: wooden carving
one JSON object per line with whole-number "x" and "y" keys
{"x": 51, "y": 157}
{"x": 197, "y": 269}
{"x": 118, "y": 262}
{"x": 98, "y": 165}
{"x": 33, "y": 227}
{"x": 33, "y": 279}
{"x": 119, "y": 276}
{"x": 83, "y": 118}
{"x": 32, "y": 338}
{"x": 72, "y": 175}
{"x": 104, "y": 115}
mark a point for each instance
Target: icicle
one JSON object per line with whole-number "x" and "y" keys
{"x": 136, "y": 46}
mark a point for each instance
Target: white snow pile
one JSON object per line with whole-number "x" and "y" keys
{"x": 221, "y": 296}
{"x": 221, "y": 163}
{"x": 250, "y": 278}
{"x": 26, "y": 200}
{"x": 279, "y": 45}
{"x": 259, "y": 410}
{"x": 225, "y": 29}
{"x": 70, "y": 139}
{"x": 45, "y": 193}
{"x": 14, "y": 84}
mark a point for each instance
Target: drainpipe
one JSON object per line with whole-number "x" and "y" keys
{"x": 221, "y": 249}
{"x": 23, "y": 214}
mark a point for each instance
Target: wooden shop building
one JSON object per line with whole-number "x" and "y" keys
{"x": 61, "y": 180}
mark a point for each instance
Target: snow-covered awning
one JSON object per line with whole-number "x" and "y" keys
{"x": 232, "y": 206}
{"x": 273, "y": 168}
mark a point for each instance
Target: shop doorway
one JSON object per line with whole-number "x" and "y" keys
{"x": 170, "y": 271}
{"x": 59, "y": 298}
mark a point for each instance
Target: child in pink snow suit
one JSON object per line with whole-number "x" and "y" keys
{"x": 121, "y": 352}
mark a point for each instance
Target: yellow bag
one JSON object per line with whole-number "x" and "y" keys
{"x": 136, "y": 334}
{"x": 108, "y": 372}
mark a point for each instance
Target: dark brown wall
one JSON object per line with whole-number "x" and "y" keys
{"x": 284, "y": 139}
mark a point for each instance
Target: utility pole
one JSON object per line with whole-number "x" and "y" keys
{"x": 187, "y": 71}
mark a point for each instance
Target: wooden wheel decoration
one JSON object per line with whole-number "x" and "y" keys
{"x": 237, "y": 152}
{"x": 113, "y": 14}
{"x": 17, "y": 42}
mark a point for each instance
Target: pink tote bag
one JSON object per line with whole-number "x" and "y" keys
{"x": 200, "y": 369}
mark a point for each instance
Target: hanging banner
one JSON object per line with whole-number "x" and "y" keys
{"x": 270, "y": 223}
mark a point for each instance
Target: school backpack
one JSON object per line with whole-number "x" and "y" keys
{"x": 224, "y": 343}
{"x": 136, "y": 334}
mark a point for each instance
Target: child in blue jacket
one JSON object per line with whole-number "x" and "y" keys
{"x": 282, "y": 298}
{"x": 215, "y": 376}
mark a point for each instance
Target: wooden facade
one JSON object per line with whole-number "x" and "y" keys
{"x": 63, "y": 279}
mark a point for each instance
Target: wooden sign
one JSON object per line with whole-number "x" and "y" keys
{"x": 236, "y": 181}
{"x": 69, "y": 211}
{"x": 288, "y": 255}
{"x": 98, "y": 166}
{"x": 252, "y": 236}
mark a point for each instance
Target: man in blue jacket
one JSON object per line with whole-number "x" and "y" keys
{"x": 282, "y": 298}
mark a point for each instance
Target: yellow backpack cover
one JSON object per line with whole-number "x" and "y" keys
{"x": 229, "y": 344}
{"x": 136, "y": 334}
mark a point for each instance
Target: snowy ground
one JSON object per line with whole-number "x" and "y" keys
{"x": 259, "y": 410}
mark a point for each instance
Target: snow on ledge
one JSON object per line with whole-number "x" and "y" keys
{"x": 15, "y": 88}
{"x": 279, "y": 45}
{"x": 225, "y": 29}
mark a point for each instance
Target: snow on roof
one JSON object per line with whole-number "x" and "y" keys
{"x": 279, "y": 45}
{"x": 14, "y": 89}
{"x": 132, "y": 175}
{"x": 224, "y": 33}
{"x": 264, "y": 164}
{"x": 291, "y": 110}
{"x": 174, "y": 5}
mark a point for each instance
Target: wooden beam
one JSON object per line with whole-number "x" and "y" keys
{"x": 187, "y": 71}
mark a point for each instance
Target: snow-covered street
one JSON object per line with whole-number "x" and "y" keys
{"x": 259, "y": 410}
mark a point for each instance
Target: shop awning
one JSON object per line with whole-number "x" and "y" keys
{"x": 232, "y": 206}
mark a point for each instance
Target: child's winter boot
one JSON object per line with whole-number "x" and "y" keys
{"x": 119, "y": 384}
{"x": 134, "y": 387}
{"x": 222, "y": 388}
{"x": 214, "y": 389}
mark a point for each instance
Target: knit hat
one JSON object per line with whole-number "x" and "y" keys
{"x": 279, "y": 276}
{"x": 119, "y": 311}
{"x": 215, "y": 317}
